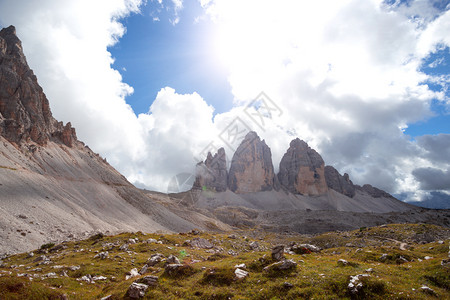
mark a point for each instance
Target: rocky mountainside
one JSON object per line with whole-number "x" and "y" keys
{"x": 52, "y": 186}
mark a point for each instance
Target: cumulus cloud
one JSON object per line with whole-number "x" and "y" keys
{"x": 346, "y": 76}
{"x": 432, "y": 178}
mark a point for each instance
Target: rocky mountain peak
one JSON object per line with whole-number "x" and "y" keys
{"x": 25, "y": 114}
{"x": 212, "y": 173}
{"x": 339, "y": 183}
{"x": 251, "y": 167}
{"x": 302, "y": 170}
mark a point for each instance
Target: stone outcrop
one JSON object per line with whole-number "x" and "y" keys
{"x": 212, "y": 173}
{"x": 251, "y": 168}
{"x": 339, "y": 183}
{"x": 24, "y": 109}
{"x": 302, "y": 170}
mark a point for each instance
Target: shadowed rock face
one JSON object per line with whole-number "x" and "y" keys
{"x": 24, "y": 109}
{"x": 251, "y": 167}
{"x": 212, "y": 173}
{"x": 373, "y": 191}
{"x": 339, "y": 183}
{"x": 302, "y": 170}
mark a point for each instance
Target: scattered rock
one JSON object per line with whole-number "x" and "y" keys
{"x": 428, "y": 257}
{"x": 151, "y": 241}
{"x": 445, "y": 262}
{"x": 241, "y": 266}
{"x": 284, "y": 265}
{"x": 254, "y": 245}
{"x": 143, "y": 269}
{"x": 304, "y": 249}
{"x": 342, "y": 263}
{"x": 149, "y": 280}
{"x": 355, "y": 284}
{"x": 172, "y": 260}
{"x": 401, "y": 260}
{"x": 383, "y": 257}
{"x": 200, "y": 243}
{"x": 86, "y": 278}
{"x": 124, "y": 247}
{"x": 240, "y": 274}
{"x": 154, "y": 259}
{"x": 133, "y": 273}
{"x": 102, "y": 255}
{"x": 278, "y": 252}
{"x": 137, "y": 290}
{"x": 427, "y": 290}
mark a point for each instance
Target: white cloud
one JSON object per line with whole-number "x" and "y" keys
{"x": 344, "y": 73}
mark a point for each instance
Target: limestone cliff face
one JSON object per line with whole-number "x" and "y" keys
{"x": 251, "y": 168}
{"x": 212, "y": 173}
{"x": 24, "y": 109}
{"x": 339, "y": 183}
{"x": 302, "y": 170}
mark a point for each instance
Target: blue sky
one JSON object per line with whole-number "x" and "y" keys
{"x": 364, "y": 82}
{"x": 157, "y": 53}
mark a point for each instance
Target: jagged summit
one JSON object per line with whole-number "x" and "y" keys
{"x": 25, "y": 114}
{"x": 251, "y": 167}
{"x": 302, "y": 172}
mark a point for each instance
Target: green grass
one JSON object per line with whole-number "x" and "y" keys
{"x": 207, "y": 275}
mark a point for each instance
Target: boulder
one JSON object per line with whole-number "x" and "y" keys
{"x": 304, "y": 249}
{"x": 199, "y": 243}
{"x": 302, "y": 170}
{"x": 154, "y": 259}
{"x": 133, "y": 273}
{"x": 240, "y": 274}
{"x": 284, "y": 265}
{"x": 137, "y": 290}
{"x": 149, "y": 280}
{"x": 172, "y": 260}
{"x": 278, "y": 252}
{"x": 251, "y": 167}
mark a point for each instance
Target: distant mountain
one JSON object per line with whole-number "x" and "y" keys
{"x": 52, "y": 186}
{"x": 436, "y": 200}
{"x": 303, "y": 181}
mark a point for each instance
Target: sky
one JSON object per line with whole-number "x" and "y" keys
{"x": 154, "y": 85}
